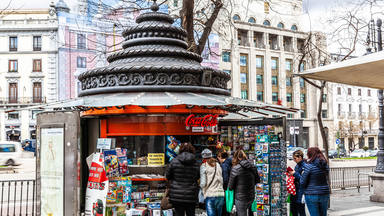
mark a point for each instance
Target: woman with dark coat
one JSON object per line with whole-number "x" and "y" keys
{"x": 297, "y": 207}
{"x": 242, "y": 181}
{"x": 314, "y": 182}
{"x": 183, "y": 174}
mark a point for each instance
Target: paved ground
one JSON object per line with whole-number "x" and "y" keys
{"x": 351, "y": 203}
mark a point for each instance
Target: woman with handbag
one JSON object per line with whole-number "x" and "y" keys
{"x": 211, "y": 183}
{"x": 242, "y": 181}
{"x": 183, "y": 176}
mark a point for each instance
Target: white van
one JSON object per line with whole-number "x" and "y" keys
{"x": 10, "y": 153}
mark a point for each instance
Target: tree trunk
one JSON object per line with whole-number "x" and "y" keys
{"x": 320, "y": 121}
{"x": 186, "y": 14}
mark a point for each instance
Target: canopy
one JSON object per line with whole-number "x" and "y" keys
{"x": 365, "y": 71}
{"x": 251, "y": 109}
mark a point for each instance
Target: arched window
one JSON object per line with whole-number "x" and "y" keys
{"x": 294, "y": 28}
{"x": 266, "y": 23}
{"x": 280, "y": 25}
{"x": 251, "y": 20}
{"x": 236, "y": 17}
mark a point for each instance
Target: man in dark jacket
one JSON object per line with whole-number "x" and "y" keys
{"x": 183, "y": 174}
{"x": 242, "y": 180}
{"x": 226, "y": 166}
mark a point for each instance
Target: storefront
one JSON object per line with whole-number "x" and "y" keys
{"x": 153, "y": 96}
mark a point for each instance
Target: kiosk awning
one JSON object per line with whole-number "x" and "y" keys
{"x": 171, "y": 99}
{"x": 365, "y": 71}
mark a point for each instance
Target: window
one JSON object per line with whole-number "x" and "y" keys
{"x": 12, "y": 66}
{"x": 7, "y": 148}
{"x": 324, "y": 113}
{"x": 324, "y": 98}
{"x": 290, "y": 116}
{"x": 12, "y": 43}
{"x": 360, "y": 108}
{"x": 12, "y": 92}
{"x": 303, "y": 114}
{"x": 244, "y": 94}
{"x": 13, "y": 115}
{"x": 369, "y": 108}
{"x": 339, "y": 107}
{"x": 236, "y": 17}
{"x": 275, "y": 96}
{"x": 81, "y": 41}
{"x": 243, "y": 78}
{"x": 349, "y": 91}
{"x": 251, "y": 20}
{"x": 338, "y": 90}
{"x": 259, "y": 79}
{"x": 274, "y": 80}
{"x": 36, "y": 43}
{"x": 81, "y": 62}
{"x": 302, "y": 67}
{"x": 259, "y": 62}
{"x": 369, "y": 92}
{"x": 289, "y": 97}
{"x": 302, "y": 98}
{"x": 274, "y": 64}
{"x": 266, "y": 23}
{"x": 350, "y": 108}
{"x": 226, "y": 56}
{"x": 37, "y": 93}
{"x": 227, "y": 71}
{"x": 302, "y": 82}
{"x": 359, "y": 92}
{"x": 175, "y": 3}
{"x": 243, "y": 60}
{"x": 289, "y": 81}
{"x": 34, "y": 113}
{"x": 288, "y": 65}
{"x": 294, "y": 28}
{"x": 36, "y": 65}
{"x": 260, "y": 96}
{"x": 280, "y": 25}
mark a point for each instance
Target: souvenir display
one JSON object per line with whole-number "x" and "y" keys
{"x": 263, "y": 145}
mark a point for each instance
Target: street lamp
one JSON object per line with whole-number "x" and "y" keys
{"x": 380, "y": 154}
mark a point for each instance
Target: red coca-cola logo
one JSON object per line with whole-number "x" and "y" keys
{"x": 204, "y": 121}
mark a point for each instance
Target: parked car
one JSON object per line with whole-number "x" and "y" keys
{"x": 359, "y": 153}
{"x": 290, "y": 151}
{"x": 10, "y": 153}
{"x": 332, "y": 154}
{"x": 373, "y": 153}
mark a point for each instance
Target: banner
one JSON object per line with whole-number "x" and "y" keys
{"x": 97, "y": 187}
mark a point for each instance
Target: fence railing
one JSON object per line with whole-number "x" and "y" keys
{"x": 18, "y": 197}
{"x": 350, "y": 177}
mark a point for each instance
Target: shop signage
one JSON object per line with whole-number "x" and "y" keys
{"x": 97, "y": 187}
{"x": 155, "y": 158}
{"x": 201, "y": 123}
{"x": 104, "y": 143}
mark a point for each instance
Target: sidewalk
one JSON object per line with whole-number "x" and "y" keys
{"x": 350, "y": 202}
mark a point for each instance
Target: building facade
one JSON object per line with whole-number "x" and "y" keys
{"x": 264, "y": 49}
{"x": 28, "y": 62}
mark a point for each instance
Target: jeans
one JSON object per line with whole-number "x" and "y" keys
{"x": 182, "y": 209}
{"x": 297, "y": 209}
{"x": 214, "y": 206}
{"x": 243, "y": 208}
{"x": 317, "y": 204}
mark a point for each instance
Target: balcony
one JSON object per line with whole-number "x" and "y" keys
{"x": 351, "y": 115}
{"x": 273, "y": 42}
{"x": 22, "y": 100}
{"x": 341, "y": 115}
{"x": 372, "y": 115}
{"x": 287, "y": 43}
{"x": 363, "y": 115}
{"x": 242, "y": 37}
{"x": 258, "y": 40}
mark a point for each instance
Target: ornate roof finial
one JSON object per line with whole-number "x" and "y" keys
{"x": 154, "y": 7}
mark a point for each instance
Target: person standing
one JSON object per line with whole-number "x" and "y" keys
{"x": 226, "y": 166}
{"x": 297, "y": 207}
{"x": 211, "y": 182}
{"x": 183, "y": 176}
{"x": 242, "y": 181}
{"x": 314, "y": 182}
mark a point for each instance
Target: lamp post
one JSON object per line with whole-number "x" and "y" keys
{"x": 380, "y": 154}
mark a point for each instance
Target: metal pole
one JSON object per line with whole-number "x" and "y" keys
{"x": 380, "y": 154}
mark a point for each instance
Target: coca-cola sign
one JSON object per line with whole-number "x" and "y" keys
{"x": 203, "y": 121}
